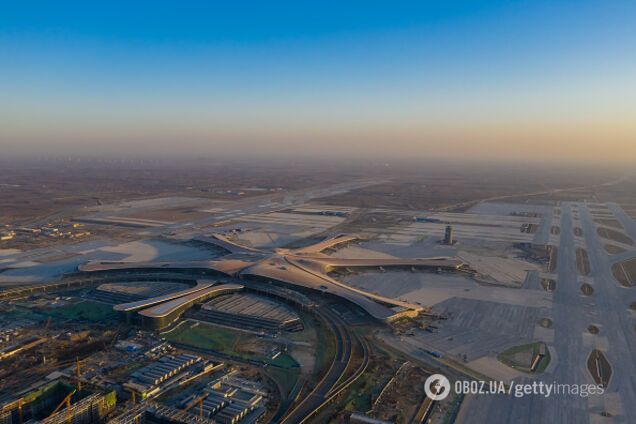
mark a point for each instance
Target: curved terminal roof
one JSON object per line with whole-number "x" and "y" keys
{"x": 305, "y": 267}
{"x": 435, "y": 263}
{"x": 165, "y": 309}
{"x": 139, "y": 304}
{"x": 342, "y": 288}
{"x": 223, "y": 242}
{"x": 377, "y": 306}
{"x": 326, "y": 244}
{"x": 95, "y": 266}
{"x": 227, "y": 265}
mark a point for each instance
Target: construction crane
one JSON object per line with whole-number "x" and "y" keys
{"x": 133, "y": 401}
{"x": 133, "y": 398}
{"x": 201, "y": 406}
{"x": 190, "y": 405}
{"x": 17, "y": 404}
{"x": 77, "y": 369}
{"x": 20, "y": 403}
{"x": 67, "y": 401}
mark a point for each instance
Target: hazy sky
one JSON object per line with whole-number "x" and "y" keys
{"x": 537, "y": 79}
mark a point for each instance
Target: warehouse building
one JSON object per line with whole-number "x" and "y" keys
{"x": 147, "y": 380}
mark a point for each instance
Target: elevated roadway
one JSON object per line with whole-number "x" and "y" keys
{"x": 321, "y": 393}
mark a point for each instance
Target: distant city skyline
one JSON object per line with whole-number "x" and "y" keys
{"x": 538, "y": 80}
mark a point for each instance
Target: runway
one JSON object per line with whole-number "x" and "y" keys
{"x": 572, "y": 313}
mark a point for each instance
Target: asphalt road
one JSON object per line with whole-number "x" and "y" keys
{"x": 338, "y": 367}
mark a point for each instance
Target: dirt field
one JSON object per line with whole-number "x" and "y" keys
{"x": 613, "y": 250}
{"x": 436, "y": 195}
{"x": 39, "y": 189}
{"x": 457, "y": 192}
{"x": 402, "y": 397}
{"x": 614, "y": 236}
{"x": 175, "y": 214}
{"x": 625, "y": 272}
{"x": 621, "y": 191}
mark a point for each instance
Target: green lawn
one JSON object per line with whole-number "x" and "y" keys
{"x": 361, "y": 393}
{"x": 544, "y": 362}
{"x": 286, "y": 378}
{"x": 89, "y": 311}
{"x": 507, "y": 357}
{"x": 205, "y": 337}
{"x": 222, "y": 340}
{"x": 20, "y": 313}
{"x": 308, "y": 334}
{"x": 282, "y": 360}
{"x": 325, "y": 350}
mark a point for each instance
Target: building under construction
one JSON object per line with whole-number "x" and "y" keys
{"x": 94, "y": 408}
{"x": 73, "y": 406}
{"x": 149, "y": 412}
{"x": 146, "y": 381}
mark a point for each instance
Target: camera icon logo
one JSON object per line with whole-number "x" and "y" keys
{"x": 437, "y": 387}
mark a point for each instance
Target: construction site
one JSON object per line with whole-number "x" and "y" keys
{"x": 104, "y": 382}
{"x": 86, "y": 365}
{"x": 59, "y": 398}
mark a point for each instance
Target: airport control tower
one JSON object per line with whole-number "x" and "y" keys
{"x": 448, "y": 236}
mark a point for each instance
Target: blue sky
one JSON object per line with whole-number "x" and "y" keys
{"x": 488, "y": 77}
